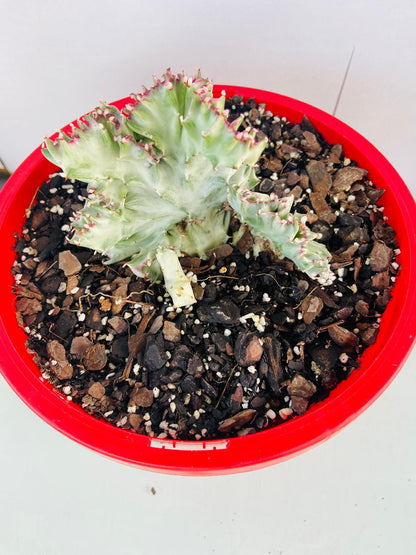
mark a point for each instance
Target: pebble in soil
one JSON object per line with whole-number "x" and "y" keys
{"x": 262, "y": 343}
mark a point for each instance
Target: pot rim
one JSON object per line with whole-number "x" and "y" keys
{"x": 380, "y": 362}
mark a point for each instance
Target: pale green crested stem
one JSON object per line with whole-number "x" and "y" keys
{"x": 280, "y": 231}
{"x": 159, "y": 174}
{"x": 178, "y": 285}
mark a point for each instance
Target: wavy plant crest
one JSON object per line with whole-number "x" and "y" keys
{"x": 275, "y": 228}
{"x": 159, "y": 174}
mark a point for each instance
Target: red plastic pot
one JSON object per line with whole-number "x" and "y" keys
{"x": 380, "y": 362}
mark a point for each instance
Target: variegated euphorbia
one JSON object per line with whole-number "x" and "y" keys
{"x": 159, "y": 176}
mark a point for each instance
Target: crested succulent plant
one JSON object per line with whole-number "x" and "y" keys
{"x": 159, "y": 176}
{"x": 276, "y": 229}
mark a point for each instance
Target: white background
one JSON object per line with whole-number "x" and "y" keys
{"x": 353, "y": 495}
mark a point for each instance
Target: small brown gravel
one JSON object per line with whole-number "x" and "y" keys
{"x": 141, "y": 396}
{"x": 69, "y": 263}
{"x": 248, "y": 349}
{"x": 96, "y": 390}
{"x": 95, "y": 357}
{"x": 79, "y": 345}
{"x": 263, "y": 342}
{"x": 171, "y": 332}
{"x": 59, "y": 364}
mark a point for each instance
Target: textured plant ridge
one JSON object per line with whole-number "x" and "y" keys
{"x": 276, "y": 229}
{"x": 164, "y": 176}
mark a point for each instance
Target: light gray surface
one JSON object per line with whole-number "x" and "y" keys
{"x": 354, "y": 494}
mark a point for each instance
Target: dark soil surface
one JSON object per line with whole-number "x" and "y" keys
{"x": 264, "y": 340}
